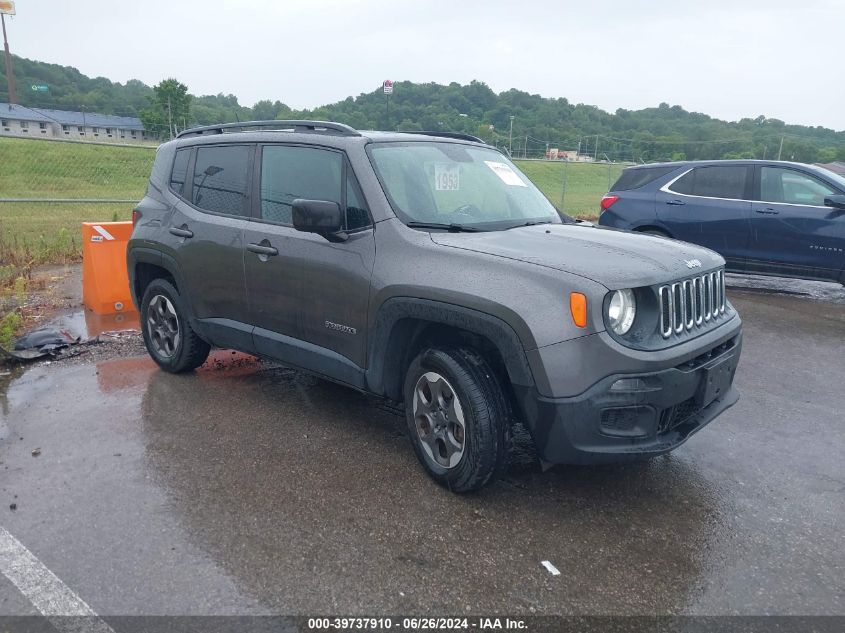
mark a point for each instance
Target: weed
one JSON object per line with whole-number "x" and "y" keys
{"x": 10, "y": 323}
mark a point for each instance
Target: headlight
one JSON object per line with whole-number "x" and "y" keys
{"x": 621, "y": 311}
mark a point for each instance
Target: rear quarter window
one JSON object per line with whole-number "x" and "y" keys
{"x": 179, "y": 174}
{"x": 715, "y": 181}
{"x": 637, "y": 177}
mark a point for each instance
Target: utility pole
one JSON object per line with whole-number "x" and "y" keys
{"x": 387, "y": 88}
{"x": 169, "y": 118}
{"x": 525, "y": 148}
{"x": 781, "y": 147}
{"x": 10, "y": 78}
{"x": 596, "y": 153}
{"x": 510, "y": 137}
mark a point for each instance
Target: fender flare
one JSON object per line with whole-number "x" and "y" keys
{"x": 144, "y": 255}
{"x": 383, "y": 368}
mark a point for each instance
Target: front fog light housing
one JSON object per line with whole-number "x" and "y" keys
{"x": 621, "y": 311}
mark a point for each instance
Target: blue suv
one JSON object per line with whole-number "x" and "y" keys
{"x": 763, "y": 217}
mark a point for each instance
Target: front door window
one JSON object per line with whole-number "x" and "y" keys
{"x": 788, "y": 186}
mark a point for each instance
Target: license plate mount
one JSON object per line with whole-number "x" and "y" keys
{"x": 715, "y": 382}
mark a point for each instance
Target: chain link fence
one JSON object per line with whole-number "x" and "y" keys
{"x": 575, "y": 188}
{"x": 48, "y": 187}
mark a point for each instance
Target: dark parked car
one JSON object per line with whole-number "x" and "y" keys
{"x": 426, "y": 269}
{"x": 764, "y": 217}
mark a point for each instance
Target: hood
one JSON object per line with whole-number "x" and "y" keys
{"x": 616, "y": 259}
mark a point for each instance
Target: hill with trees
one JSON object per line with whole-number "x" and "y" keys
{"x": 665, "y": 132}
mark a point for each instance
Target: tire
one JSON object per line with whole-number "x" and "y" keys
{"x": 168, "y": 336}
{"x": 463, "y": 441}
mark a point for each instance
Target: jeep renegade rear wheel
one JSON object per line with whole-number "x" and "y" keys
{"x": 457, "y": 418}
{"x": 169, "y": 338}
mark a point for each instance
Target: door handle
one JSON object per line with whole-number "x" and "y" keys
{"x": 181, "y": 232}
{"x": 676, "y": 203}
{"x": 260, "y": 249}
{"x": 767, "y": 211}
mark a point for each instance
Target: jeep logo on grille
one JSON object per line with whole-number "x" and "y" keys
{"x": 692, "y": 263}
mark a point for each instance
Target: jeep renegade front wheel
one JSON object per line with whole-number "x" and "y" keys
{"x": 169, "y": 338}
{"x": 458, "y": 418}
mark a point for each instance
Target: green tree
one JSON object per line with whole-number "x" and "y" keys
{"x": 170, "y": 109}
{"x": 263, "y": 110}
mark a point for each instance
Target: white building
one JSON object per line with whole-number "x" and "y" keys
{"x": 23, "y": 122}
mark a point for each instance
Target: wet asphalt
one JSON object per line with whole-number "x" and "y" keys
{"x": 252, "y": 489}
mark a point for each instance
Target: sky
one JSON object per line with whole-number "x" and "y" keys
{"x": 726, "y": 58}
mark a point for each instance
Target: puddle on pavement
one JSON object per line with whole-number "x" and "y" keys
{"x": 86, "y": 324}
{"x": 818, "y": 290}
{"x": 126, "y": 373}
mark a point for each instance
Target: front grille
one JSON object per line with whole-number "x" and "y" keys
{"x": 692, "y": 303}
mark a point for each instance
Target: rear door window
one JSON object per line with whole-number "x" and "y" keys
{"x": 221, "y": 179}
{"x": 778, "y": 184}
{"x": 716, "y": 181}
{"x": 637, "y": 177}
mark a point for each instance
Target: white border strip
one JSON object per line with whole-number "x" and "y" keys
{"x": 45, "y": 590}
{"x": 103, "y": 232}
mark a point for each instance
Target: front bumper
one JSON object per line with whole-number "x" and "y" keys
{"x": 634, "y": 415}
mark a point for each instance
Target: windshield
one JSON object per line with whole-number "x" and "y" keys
{"x": 836, "y": 178}
{"x": 458, "y": 186}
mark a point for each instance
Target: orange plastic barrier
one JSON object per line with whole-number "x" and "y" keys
{"x": 105, "y": 282}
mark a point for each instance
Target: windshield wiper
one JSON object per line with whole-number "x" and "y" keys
{"x": 529, "y": 223}
{"x": 453, "y": 228}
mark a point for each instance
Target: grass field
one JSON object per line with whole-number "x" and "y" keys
{"x": 585, "y": 183}
{"x": 49, "y": 169}
{"x": 46, "y": 233}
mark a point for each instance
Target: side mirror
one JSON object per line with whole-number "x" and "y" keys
{"x": 836, "y": 201}
{"x": 322, "y": 217}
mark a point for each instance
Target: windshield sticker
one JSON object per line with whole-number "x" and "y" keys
{"x": 505, "y": 173}
{"x": 447, "y": 177}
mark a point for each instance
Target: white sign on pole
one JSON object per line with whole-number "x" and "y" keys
{"x": 388, "y": 87}
{"x": 7, "y": 7}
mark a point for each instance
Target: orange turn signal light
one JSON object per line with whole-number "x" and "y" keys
{"x": 578, "y": 308}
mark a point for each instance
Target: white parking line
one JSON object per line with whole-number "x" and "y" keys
{"x": 45, "y": 590}
{"x": 554, "y": 571}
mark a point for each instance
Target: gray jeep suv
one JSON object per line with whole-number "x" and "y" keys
{"x": 426, "y": 269}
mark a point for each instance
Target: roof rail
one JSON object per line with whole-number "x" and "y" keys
{"x": 456, "y": 135}
{"x": 295, "y": 125}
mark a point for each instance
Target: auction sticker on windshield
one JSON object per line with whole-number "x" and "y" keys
{"x": 447, "y": 177}
{"x": 505, "y": 173}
